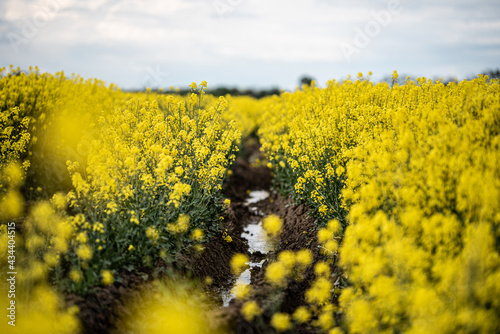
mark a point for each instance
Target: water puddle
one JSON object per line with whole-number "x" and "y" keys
{"x": 256, "y": 238}
{"x": 257, "y": 241}
{"x": 256, "y": 196}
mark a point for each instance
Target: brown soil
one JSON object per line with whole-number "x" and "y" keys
{"x": 101, "y": 310}
{"x": 299, "y": 231}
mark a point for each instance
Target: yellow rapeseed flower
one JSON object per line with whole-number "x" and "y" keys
{"x": 183, "y": 223}
{"x": 319, "y": 291}
{"x": 241, "y": 290}
{"x": 82, "y": 237}
{"x": 107, "y": 277}
{"x": 15, "y": 175}
{"x": 272, "y": 224}
{"x": 304, "y": 257}
{"x": 281, "y": 321}
{"x": 250, "y": 310}
{"x": 239, "y": 263}
{"x": 51, "y": 259}
{"x": 59, "y": 201}
{"x": 330, "y": 247}
{"x": 75, "y": 275}
{"x": 179, "y": 170}
{"x": 301, "y": 315}
{"x": 84, "y": 252}
{"x": 152, "y": 233}
{"x": 227, "y": 237}
{"x": 197, "y": 234}
{"x": 276, "y": 273}
{"x": 335, "y": 226}
{"x": 324, "y": 235}
{"x": 11, "y": 205}
{"x": 325, "y": 320}
{"x": 287, "y": 257}
{"x": 322, "y": 269}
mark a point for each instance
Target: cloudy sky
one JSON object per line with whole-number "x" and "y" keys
{"x": 249, "y": 43}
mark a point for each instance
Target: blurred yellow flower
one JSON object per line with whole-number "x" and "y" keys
{"x": 239, "y": 263}
{"x": 241, "y": 290}
{"x": 75, "y": 275}
{"x": 272, "y": 224}
{"x": 304, "y": 257}
{"x": 107, "y": 277}
{"x": 276, "y": 273}
{"x": 301, "y": 315}
{"x": 281, "y": 321}
{"x": 197, "y": 234}
{"x": 250, "y": 310}
{"x": 84, "y": 252}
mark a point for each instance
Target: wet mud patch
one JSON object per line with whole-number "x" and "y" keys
{"x": 299, "y": 232}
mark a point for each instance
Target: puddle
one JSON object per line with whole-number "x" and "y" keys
{"x": 256, "y": 211}
{"x": 257, "y": 240}
{"x": 256, "y": 196}
{"x": 244, "y": 278}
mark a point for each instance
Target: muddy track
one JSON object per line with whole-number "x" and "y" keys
{"x": 298, "y": 232}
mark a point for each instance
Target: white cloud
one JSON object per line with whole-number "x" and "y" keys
{"x": 120, "y": 38}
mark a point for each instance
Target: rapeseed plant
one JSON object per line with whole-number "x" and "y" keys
{"x": 250, "y": 310}
{"x": 281, "y": 321}
{"x": 239, "y": 263}
{"x": 412, "y": 171}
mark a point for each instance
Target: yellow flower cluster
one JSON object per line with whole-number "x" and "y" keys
{"x": 416, "y": 167}
{"x": 328, "y": 237}
{"x": 410, "y": 172}
{"x": 246, "y": 111}
{"x": 14, "y": 136}
{"x": 44, "y": 312}
{"x": 11, "y": 200}
{"x": 422, "y": 249}
{"x": 239, "y": 263}
{"x": 170, "y": 307}
{"x": 250, "y": 310}
{"x": 151, "y": 161}
{"x": 289, "y": 265}
{"x": 272, "y": 224}
{"x": 281, "y": 321}
{"x": 134, "y": 162}
{"x": 36, "y": 251}
{"x": 306, "y": 136}
{"x": 241, "y": 290}
{"x": 42, "y": 119}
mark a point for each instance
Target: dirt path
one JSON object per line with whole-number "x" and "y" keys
{"x": 298, "y": 233}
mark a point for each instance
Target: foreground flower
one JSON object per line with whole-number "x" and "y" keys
{"x": 281, "y": 322}
{"x": 84, "y": 252}
{"x": 250, "y": 310}
{"x": 239, "y": 263}
{"x": 272, "y": 224}
{"x": 107, "y": 277}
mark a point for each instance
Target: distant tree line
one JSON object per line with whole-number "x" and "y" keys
{"x": 493, "y": 73}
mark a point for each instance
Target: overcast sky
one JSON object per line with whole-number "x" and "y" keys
{"x": 249, "y": 43}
